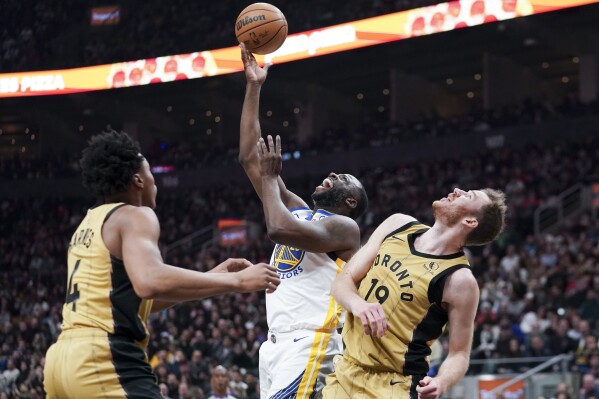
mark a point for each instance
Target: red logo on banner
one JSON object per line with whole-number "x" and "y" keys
{"x": 515, "y": 391}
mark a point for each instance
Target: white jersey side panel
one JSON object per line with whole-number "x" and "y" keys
{"x": 303, "y": 299}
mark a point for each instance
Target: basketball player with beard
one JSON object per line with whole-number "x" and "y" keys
{"x": 312, "y": 245}
{"x": 401, "y": 289}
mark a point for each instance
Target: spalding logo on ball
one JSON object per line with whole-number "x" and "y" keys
{"x": 262, "y": 27}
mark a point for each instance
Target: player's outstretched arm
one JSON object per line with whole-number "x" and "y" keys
{"x": 461, "y": 294}
{"x": 344, "y": 288}
{"x": 337, "y": 234}
{"x": 152, "y": 279}
{"x": 250, "y": 129}
{"x": 228, "y": 266}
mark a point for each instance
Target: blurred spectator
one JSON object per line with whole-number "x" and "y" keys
{"x": 535, "y": 319}
{"x": 253, "y": 386}
{"x": 172, "y": 383}
{"x": 513, "y": 350}
{"x": 11, "y": 373}
{"x": 511, "y": 260}
{"x": 589, "y": 389}
{"x": 164, "y": 391}
{"x": 198, "y": 369}
{"x": 219, "y": 384}
{"x": 183, "y": 392}
{"x": 238, "y": 387}
{"x": 589, "y": 310}
{"x": 593, "y": 367}
{"x": 487, "y": 338}
{"x": 241, "y": 357}
{"x": 537, "y": 347}
{"x": 558, "y": 339}
{"x": 583, "y": 355}
{"x": 563, "y": 389}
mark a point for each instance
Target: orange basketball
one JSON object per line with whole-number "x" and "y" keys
{"x": 262, "y": 27}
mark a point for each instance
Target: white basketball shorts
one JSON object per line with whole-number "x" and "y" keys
{"x": 295, "y": 364}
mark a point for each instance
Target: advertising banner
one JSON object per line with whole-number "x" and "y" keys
{"x": 367, "y": 32}
{"x": 231, "y": 232}
{"x": 515, "y": 391}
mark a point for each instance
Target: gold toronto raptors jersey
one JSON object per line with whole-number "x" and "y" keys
{"x": 409, "y": 286}
{"x": 99, "y": 292}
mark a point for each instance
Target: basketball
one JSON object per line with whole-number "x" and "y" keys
{"x": 262, "y": 27}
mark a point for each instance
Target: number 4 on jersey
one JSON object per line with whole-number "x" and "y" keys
{"x": 73, "y": 295}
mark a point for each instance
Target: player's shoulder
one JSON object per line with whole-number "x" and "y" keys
{"x": 460, "y": 285}
{"x": 130, "y": 216}
{"x": 400, "y": 219}
{"x": 399, "y": 223}
{"x": 342, "y": 226}
{"x": 346, "y": 220}
{"x": 135, "y": 211}
{"x": 463, "y": 278}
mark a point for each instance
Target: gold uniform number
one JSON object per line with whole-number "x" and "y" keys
{"x": 73, "y": 291}
{"x": 381, "y": 293}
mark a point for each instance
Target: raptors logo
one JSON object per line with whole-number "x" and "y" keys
{"x": 287, "y": 260}
{"x": 431, "y": 267}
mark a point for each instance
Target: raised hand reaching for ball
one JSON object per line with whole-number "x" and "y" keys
{"x": 254, "y": 74}
{"x": 271, "y": 162}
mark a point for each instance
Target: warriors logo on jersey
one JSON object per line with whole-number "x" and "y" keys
{"x": 303, "y": 299}
{"x": 287, "y": 260}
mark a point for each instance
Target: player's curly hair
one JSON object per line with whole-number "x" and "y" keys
{"x": 109, "y": 163}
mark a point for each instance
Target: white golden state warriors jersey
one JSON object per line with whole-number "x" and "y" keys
{"x": 303, "y": 299}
